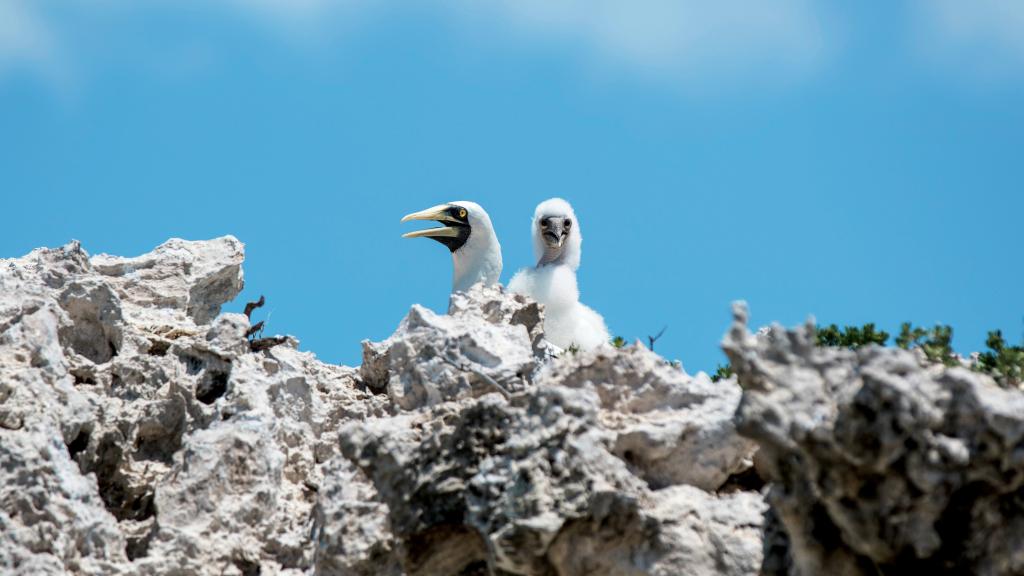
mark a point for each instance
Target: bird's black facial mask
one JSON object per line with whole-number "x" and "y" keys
{"x": 455, "y": 229}
{"x": 460, "y": 222}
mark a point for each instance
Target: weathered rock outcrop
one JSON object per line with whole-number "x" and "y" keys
{"x": 532, "y": 486}
{"x": 140, "y": 434}
{"x": 879, "y": 461}
{"x": 669, "y": 427}
{"x": 564, "y": 466}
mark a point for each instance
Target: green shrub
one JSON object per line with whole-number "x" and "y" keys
{"x": 936, "y": 343}
{"x": 851, "y": 336}
{"x": 1004, "y": 363}
{"x": 722, "y": 372}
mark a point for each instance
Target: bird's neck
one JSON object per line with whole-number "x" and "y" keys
{"x": 552, "y": 255}
{"x": 479, "y": 260}
{"x": 568, "y": 254}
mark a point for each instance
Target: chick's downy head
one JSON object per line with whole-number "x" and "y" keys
{"x": 556, "y": 234}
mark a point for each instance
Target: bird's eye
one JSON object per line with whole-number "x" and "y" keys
{"x": 568, "y": 223}
{"x": 545, "y": 221}
{"x": 462, "y": 212}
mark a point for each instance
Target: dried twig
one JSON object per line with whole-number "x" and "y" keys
{"x": 254, "y": 305}
{"x": 255, "y": 332}
{"x": 652, "y": 339}
{"x": 266, "y": 343}
{"x": 254, "y": 329}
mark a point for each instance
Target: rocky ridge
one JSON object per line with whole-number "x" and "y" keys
{"x": 141, "y": 434}
{"x": 879, "y": 461}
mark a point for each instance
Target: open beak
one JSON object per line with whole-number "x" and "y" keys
{"x": 438, "y": 213}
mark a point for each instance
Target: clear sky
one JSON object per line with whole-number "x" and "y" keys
{"x": 860, "y": 162}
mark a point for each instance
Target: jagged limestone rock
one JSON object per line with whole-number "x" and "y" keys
{"x": 139, "y": 434}
{"x": 879, "y": 461}
{"x": 432, "y": 357}
{"x": 670, "y": 427}
{"x": 52, "y": 520}
{"x": 179, "y": 279}
{"x": 495, "y": 305}
{"x": 531, "y": 486}
{"x": 350, "y": 525}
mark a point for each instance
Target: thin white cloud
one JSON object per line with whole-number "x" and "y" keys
{"x": 25, "y": 39}
{"x": 981, "y": 37}
{"x": 678, "y": 39}
{"x": 61, "y": 41}
{"x": 297, "y": 17}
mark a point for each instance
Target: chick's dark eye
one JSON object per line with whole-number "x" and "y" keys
{"x": 568, "y": 223}
{"x": 545, "y": 221}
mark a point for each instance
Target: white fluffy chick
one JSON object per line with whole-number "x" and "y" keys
{"x": 557, "y": 244}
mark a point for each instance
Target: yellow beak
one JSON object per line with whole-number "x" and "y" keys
{"x": 437, "y": 213}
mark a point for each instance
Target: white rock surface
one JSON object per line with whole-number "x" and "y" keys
{"x": 880, "y": 462}
{"x": 177, "y": 280}
{"x": 139, "y": 434}
{"x": 669, "y": 427}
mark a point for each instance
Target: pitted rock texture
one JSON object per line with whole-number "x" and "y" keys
{"x": 139, "y": 434}
{"x": 531, "y": 486}
{"x": 669, "y": 427}
{"x": 177, "y": 281}
{"x": 432, "y": 358}
{"x": 879, "y": 462}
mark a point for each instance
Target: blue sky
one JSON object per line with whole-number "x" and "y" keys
{"x": 859, "y": 163}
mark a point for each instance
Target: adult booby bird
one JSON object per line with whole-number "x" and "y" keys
{"x": 468, "y": 233}
{"x": 557, "y": 244}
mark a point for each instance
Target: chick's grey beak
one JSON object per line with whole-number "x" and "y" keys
{"x": 554, "y": 235}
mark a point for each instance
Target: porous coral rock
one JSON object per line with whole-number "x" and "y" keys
{"x": 672, "y": 428}
{"x": 530, "y": 486}
{"x": 139, "y": 434}
{"x": 432, "y": 358}
{"x": 881, "y": 462}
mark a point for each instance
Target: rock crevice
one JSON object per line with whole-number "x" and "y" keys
{"x": 140, "y": 433}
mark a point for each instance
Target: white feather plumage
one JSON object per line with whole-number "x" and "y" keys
{"x": 567, "y": 322}
{"x": 479, "y": 260}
